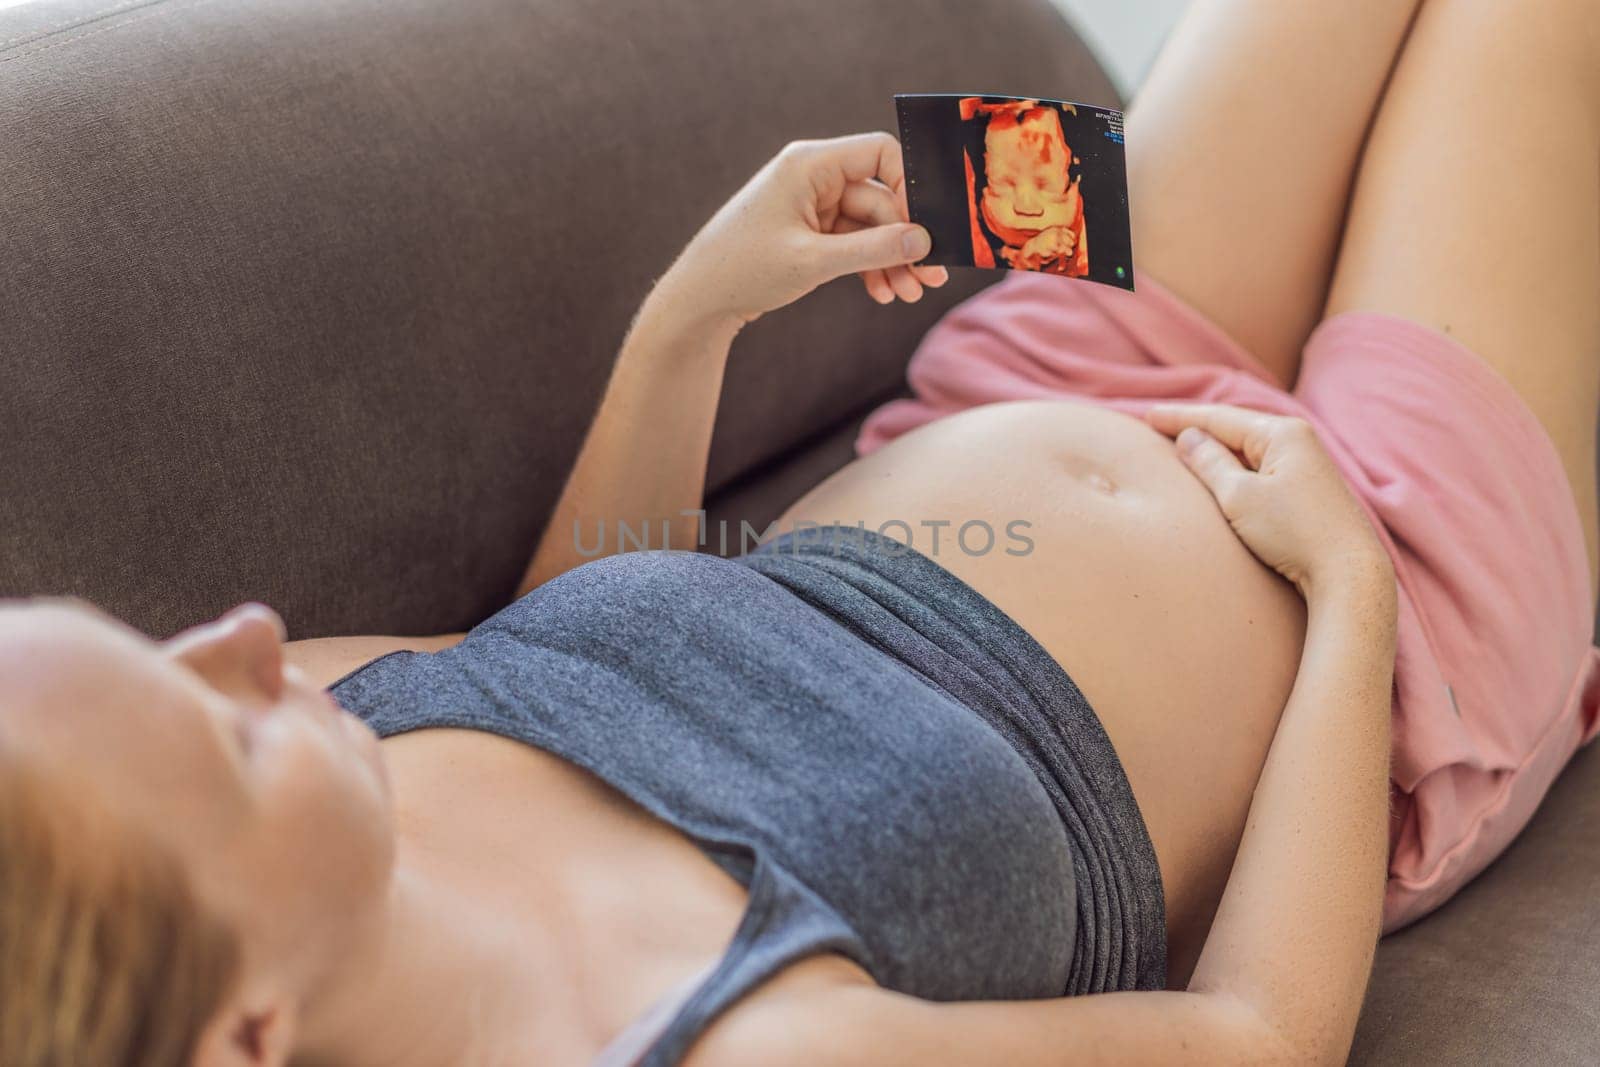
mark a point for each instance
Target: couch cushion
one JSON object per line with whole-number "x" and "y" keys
{"x": 758, "y": 498}
{"x": 1508, "y": 971}
{"x": 311, "y": 301}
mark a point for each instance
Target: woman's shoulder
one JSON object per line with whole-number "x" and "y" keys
{"x": 629, "y": 577}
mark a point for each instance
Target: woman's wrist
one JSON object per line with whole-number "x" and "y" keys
{"x": 677, "y": 324}
{"x": 1361, "y": 581}
{"x": 692, "y": 294}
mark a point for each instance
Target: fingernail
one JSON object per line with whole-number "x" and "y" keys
{"x": 916, "y": 243}
{"x": 1189, "y": 438}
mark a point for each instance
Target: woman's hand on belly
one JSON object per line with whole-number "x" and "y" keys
{"x": 1286, "y": 500}
{"x": 1182, "y": 641}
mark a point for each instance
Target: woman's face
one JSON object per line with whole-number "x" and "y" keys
{"x": 272, "y": 798}
{"x": 1027, "y": 165}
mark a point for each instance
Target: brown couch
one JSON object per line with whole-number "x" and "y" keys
{"x": 309, "y": 301}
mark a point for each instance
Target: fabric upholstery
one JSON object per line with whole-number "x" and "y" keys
{"x": 1509, "y": 971}
{"x": 759, "y": 497}
{"x": 310, "y": 301}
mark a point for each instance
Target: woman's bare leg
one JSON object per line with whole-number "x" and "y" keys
{"x": 1477, "y": 209}
{"x": 1242, "y": 146}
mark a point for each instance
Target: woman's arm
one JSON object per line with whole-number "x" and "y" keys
{"x": 643, "y": 462}
{"x": 819, "y": 210}
{"x": 1300, "y": 918}
{"x": 1285, "y": 966}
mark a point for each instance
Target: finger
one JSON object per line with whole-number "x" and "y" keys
{"x": 1241, "y": 429}
{"x": 869, "y": 248}
{"x": 878, "y": 286}
{"x": 869, "y": 202}
{"x": 933, "y": 277}
{"x": 856, "y": 157}
{"x": 876, "y": 281}
{"x": 905, "y": 286}
{"x": 876, "y": 235}
{"x": 1212, "y": 461}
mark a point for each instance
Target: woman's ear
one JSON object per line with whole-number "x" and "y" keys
{"x": 247, "y": 1033}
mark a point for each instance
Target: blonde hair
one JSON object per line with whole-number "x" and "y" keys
{"x": 105, "y": 957}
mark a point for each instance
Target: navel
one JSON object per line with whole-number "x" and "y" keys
{"x": 1100, "y": 483}
{"x": 1088, "y": 471}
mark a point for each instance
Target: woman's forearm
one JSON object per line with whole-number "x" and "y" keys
{"x": 643, "y": 461}
{"x": 819, "y": 210}
{"x": 1298, "y": 923}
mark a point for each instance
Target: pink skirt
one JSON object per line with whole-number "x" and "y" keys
{"x": 1497, "y": 679}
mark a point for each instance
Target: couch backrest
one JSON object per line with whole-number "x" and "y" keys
{"x": 310, "y": 301}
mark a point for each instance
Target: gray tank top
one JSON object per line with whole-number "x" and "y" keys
{"x": 893, "y": 768}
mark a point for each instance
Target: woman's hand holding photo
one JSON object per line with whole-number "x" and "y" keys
{"x": 818, "y": 210}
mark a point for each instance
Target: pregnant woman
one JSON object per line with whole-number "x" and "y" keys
{"x": 864, "y": 797}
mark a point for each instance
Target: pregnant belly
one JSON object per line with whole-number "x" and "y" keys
{"x": 1115, "y": 558}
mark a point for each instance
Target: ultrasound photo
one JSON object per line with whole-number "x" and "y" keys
{"x": 1018, "y": 183}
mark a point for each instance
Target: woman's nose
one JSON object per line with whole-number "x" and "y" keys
{"x": 241, "y": 651}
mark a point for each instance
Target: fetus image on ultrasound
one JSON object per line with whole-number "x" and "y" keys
{"x": 1018, "y": 183}
{"x": 1023, "y": 198}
